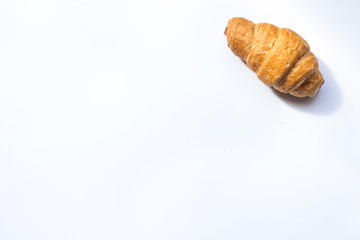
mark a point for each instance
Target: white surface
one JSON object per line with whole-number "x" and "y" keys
{"x": 133, "y": 120}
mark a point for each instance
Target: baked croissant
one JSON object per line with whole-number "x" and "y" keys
{"x": 279, "y": 56}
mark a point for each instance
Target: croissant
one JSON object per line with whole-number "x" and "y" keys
{"x": 279, "y": 56}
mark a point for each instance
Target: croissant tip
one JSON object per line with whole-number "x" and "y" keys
{"x": 225, "y": 30}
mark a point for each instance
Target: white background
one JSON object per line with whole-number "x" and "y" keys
{"x": 134, "y": 120}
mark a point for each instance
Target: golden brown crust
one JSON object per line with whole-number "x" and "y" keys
{"x": 239, "y": 33}
{"x": 279, "y": 56}
{"x": 287, "y": 49}
{"x": 302, "y": 70}
{"x": 263, "y": 41}
{"x": 310, "y": 86}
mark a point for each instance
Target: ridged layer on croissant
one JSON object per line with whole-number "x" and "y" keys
{"x": 279, "y": 56}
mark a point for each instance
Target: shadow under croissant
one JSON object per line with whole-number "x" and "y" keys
{"x": 326, "y": 101}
